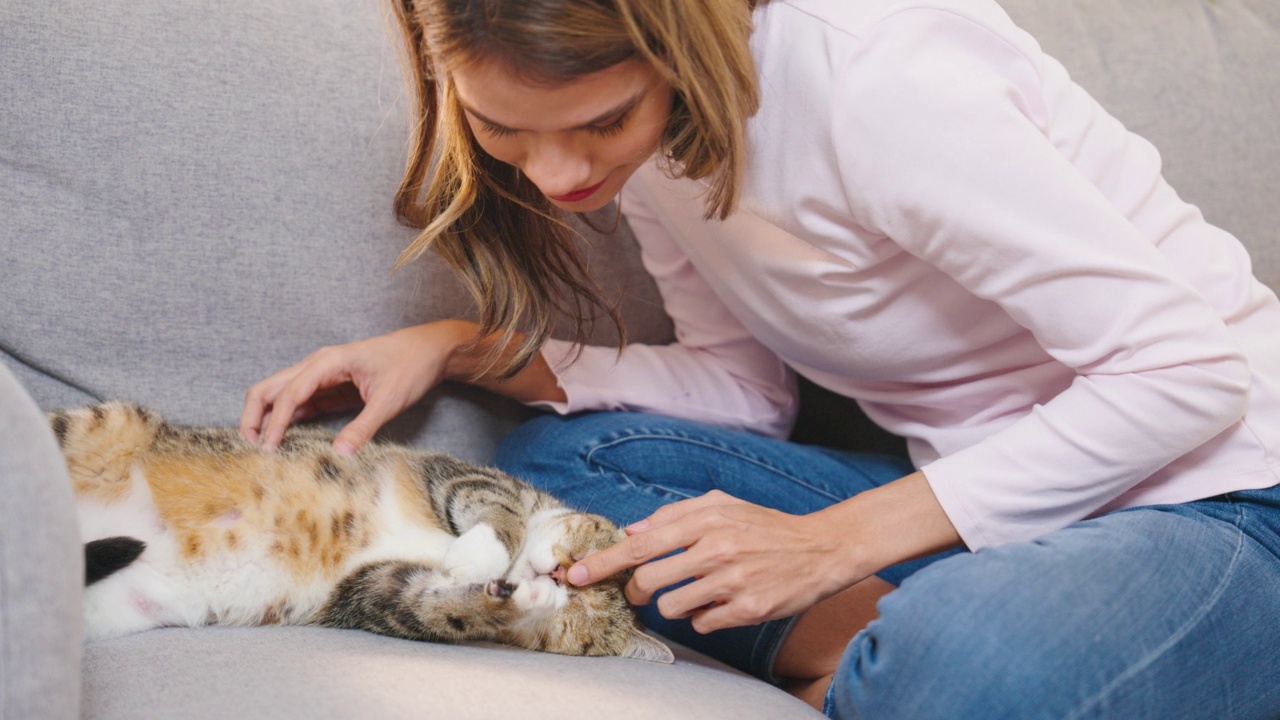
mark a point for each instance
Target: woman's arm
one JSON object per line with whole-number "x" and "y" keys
{"x": 717, "y": 372}
{"x": 977, "y": 155}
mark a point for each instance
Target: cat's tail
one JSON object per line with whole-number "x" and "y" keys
{"x": 109, "y": 555}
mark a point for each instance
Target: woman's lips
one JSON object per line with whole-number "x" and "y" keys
{"x": 578, "y": 195}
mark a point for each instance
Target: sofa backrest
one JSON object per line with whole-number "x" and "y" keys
{"x": 196, "y": 195}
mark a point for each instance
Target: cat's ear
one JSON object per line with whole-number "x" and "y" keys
{"x": 643, "y": 647}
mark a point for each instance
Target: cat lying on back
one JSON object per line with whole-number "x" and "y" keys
{"x": 195, "y": 526}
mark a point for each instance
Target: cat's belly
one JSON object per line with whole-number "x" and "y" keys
{"x": 163, "y": 589}
{"x": 246, "y": 566}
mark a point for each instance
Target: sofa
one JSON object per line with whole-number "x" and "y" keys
{"x": 194, "y": 195}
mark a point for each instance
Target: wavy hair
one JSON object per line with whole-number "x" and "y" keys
{"x": 513, "y": 248}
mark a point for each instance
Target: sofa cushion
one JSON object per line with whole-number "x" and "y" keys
{"x": 198, "y": 195}
{"x": 342, "y": 674}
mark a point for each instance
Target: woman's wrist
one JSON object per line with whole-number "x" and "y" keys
{"x": 462, "y": 352}
{"x": 467, "y": 354}
{"x": 896, "y": 522}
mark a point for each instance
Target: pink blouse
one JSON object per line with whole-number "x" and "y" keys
{"x": 939, "y": 224}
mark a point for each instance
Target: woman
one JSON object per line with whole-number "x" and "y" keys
{"x": 908, "y": 203}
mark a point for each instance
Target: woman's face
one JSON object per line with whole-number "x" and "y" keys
{"x": 578, "y": 142}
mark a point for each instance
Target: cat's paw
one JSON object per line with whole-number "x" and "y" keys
{"x": 539, "y": 596}
{"x": 476, "y": 556}
{"x": 499, "y": 589}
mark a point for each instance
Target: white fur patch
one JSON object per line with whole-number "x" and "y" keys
{"x": 539, "y": 597}
{"x": 401, "y": 538}
{"x": 536, "y": 593}
{"x": 477, "y": 556}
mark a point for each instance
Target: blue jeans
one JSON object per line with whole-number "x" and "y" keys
{"x": 1156, "y": 612}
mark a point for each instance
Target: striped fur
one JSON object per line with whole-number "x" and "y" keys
{"x": 394, "y": 541}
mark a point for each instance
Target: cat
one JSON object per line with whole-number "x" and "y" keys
{"x": 196, "y": 526}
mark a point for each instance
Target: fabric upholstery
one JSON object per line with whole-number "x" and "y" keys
{"x": 199, "y": 195}
{"x": 338, "y": 675}
{"x": 41, "y": 567}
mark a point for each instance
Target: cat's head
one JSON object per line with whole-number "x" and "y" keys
{"x": 559, "y": 617}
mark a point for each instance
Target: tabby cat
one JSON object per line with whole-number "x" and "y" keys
{"x": 195, "y": 526}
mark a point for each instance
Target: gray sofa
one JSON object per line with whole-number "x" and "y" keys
{"x": 194, "y": 195}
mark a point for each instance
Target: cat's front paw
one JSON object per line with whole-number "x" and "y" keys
{"x": 499, "y": 589}
{"x": 539, "y": 596}
{"x": 477, "y": 556}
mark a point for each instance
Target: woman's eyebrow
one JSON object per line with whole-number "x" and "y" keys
{"x": 609, "y": 114}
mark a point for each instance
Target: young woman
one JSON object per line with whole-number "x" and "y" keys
{"x": 911, "y": 205}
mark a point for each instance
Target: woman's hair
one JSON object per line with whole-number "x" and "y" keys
{"x": 512, "y": 247}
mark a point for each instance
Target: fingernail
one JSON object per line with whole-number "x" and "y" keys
{"x": 638, "y": 526}
{"x": 344, "y": 448}
{"x": 577, "y": 575}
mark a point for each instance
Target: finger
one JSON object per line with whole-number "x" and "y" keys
{"x": 651, "y": 577}
{"x": 630, "y": 552}
{"x": 719, "y": 616}
{"x": 298, "y": 391}
{"x": 361, "y": 430}
{"x": 668, "y": 514}
{"x": 305, "y": 411}
{"x": 256, "y": 401}
{"x": 688, "y": 600}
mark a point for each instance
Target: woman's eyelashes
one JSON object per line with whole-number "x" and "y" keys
{"x": 611, "y": 128}
{"x": 608, "y": 129}
{"x": 496, "y": 130}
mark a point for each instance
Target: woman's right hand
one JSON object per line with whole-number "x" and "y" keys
{"x": 387, "y": 373}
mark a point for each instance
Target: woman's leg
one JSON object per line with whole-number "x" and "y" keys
{"x": 1167, "y": 612}
{"x": 626, "y": 465}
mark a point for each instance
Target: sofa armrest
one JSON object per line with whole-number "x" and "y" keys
{"x": 41, "y": 567}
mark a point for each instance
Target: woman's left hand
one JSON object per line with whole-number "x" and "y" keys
{"x": 749, "y": 563}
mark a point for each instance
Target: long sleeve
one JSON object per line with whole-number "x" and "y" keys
{"x": 716, "y": 371}
{"x": 943, "y": 141}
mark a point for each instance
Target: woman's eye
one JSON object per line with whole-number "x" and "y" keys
{"x": 496, "y": 130}
{"x": 612, "y": 128}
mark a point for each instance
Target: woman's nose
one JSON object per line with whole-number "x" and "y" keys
{"x": 557, "y": 167}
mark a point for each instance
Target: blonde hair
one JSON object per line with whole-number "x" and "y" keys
{"x": 512, "y": 247}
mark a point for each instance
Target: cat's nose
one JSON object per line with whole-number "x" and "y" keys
{"x": 558, "y": 575}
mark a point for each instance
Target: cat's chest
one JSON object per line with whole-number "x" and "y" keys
{"x": 401, "y": 529}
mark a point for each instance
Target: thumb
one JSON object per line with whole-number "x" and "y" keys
{"x": 361, "y": 430}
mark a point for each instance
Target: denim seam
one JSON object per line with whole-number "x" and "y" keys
{"x": 1182, "y": 632}
{"x": 702, "y": 443}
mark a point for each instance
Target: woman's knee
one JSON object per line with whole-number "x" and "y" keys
{"x": 1038, "y": 628}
